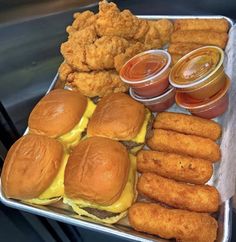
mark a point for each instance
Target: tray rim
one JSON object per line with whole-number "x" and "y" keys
{"x": 225, "y": 208}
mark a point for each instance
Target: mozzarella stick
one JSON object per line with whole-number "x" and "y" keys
{"x": 172, "y": 223}
{"x": 218, "y": 25}
{"x": 188, "y": 124}
{"x": 175, "y": 58}
{"x": 178, "y": 167}
{"x": 182, "y": 48}
{"x": 183, "y": 144}
{"x": 200, "y": 37}
{"x": 198, "y": 198}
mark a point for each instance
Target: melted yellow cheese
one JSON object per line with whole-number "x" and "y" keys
{"x": 140, "y": 137}
{"x": 123, "y": 203}
{"x": 56, "y": 190}
{"x": 72, "y": 138}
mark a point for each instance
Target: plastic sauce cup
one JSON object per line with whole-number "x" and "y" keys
{"x": 210, "y": 108}
{"x": 147, "y": 73}
{"x": 159, "y": 103}
{"x": 200, "y": 73}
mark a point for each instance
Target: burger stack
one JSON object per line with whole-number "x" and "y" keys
{"x": 79, "y": 153}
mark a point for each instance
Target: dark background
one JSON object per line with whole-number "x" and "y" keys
{"x": 30, "y": 36}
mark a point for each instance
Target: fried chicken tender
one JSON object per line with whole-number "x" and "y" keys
{"x": 218, "y": 25}
{"x": 73, "y": 50}
{"x": 183, "y": 144}
{"x": 64, "y": 71}
{"x": 81, "y": 21}
{"x": 168, "y": 223}
{"x": 96, "y": 83}
{"x": 100, "y": 55}
{"x": 178, "y": 167}
{"x": 164, "y": 28}
{"x": 188, "y": 124}
{"x": 198, "y": 198}
{"x": 112, "y": 22}
{"x": 200, "y": 37}
{"x": 182, "y": 48}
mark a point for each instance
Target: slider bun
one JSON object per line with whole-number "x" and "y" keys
{"x": 31, "y": 164}
{"x": 97, "y": 171}
{"x": 57, "y": 113}
{"x": 117, "y": 116}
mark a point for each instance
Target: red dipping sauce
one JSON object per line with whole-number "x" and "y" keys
{"x": 147, "y": 73}
{"x": 208, "y": 108}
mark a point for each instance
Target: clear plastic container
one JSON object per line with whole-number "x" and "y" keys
{"x": 147, "y": 73}
{"x": 159, "y": 103}
{"x": 210, "y": 108}
{"x": 200, "y": 73}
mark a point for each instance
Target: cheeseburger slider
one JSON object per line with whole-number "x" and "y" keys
{"x": 33, "y": 170}
{"x": 100, "y": 179}
{"x": 61, "y": 114}
{"x": 119, "y": 117}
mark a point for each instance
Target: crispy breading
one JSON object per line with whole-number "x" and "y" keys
{"x": 178, "y": 167}
{"x": 175, "y": 58}
{"x": 112, "y": 22}
{"x": 64, "y": 71}
{"x": 100, "y": 55}
{"x": 188, "y": 124}
{"x": 182, "y": 48}
{"x": 164, "y": 28}
{"x": 174, "y": 142}
{"x": 198, "y": 198}
{"x": 96, "y": 83}
{"x": 173, "y": 223}
{"x": 218, "y": 25}
{"x": 200, "y": 37}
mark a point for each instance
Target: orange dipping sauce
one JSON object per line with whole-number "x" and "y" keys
{"x": 147, "y": 73}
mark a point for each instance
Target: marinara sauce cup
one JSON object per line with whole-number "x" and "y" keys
{"x": 159, "y": 103}
{"x": 147, "y": 73}
{"x": 208, "y": 108}
{"x": 200, "y": 73}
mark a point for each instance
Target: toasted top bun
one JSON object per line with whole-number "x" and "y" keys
{"x": 57, "y": 113}
{"x": 31, "y": 164}
{"x": 117, "y": 116}
{"x": 97, "y": 171}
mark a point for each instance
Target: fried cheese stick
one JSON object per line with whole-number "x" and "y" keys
{"x": 218, "y": 25}
{"x": 200, "y": 37}
{"x": 188, "y": 124}
{"x": 173, "y": 142}
{"x": 198, "y": 198}
{"x": 175, "y": 58}
{"x": 182, "y": 48}
{"x": 172, "y": 223}
{"x": 178, "y": 167}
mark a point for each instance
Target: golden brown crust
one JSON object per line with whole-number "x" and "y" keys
{"x": 183, "y": 144}
{"x": 97, "y": 171}
{"x": 173, "y": 223}
{"x": 57, "y": 113}
{"x": 188, "y": 124}
{"x": 117, "y": 116}
{"x": 198, "y": 198}
{"x": 178, "y": 167}
{"x": 30, "y": 166}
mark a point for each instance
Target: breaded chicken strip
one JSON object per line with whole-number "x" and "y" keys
{"x": 178, "y": 167}
{"x": 96, "y": 83}
{"x": 73, "y": 50}
{"x": 81, "y": 21}
{"x": 198, "y": 198}
{"x": 168, "y": 223}
{"x": 188, "y": 124}
{"x": 195, "y": 146}
{"x": 112, "y": 22}
{"x": 64, "y": 71}
{"x": 100, "y": 55}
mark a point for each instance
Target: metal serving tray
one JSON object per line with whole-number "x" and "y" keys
{"x": 122, "y": 228}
